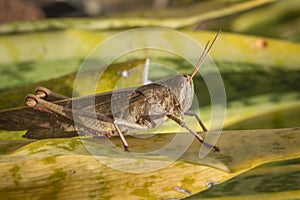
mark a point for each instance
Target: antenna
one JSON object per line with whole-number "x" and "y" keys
{"x": 203, "y": 55}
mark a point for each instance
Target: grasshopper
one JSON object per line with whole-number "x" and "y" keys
{"x": 134, "y": 109}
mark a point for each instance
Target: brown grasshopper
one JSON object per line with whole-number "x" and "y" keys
{"x": 134, "y": 109}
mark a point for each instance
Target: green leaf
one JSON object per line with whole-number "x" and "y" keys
{"x": 174, "y": 22}
{"x": 66, "y": 164}
{"x": 276, "y": 180}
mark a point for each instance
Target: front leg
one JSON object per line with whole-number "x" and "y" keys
{"x": 182, "y": 124}
{"x": 194, "y": 114}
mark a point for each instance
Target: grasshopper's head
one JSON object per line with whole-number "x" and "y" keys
{"x": 182, "y": 85}
{"x": 186, "y": 94}
{"x": 182, "y": 88}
